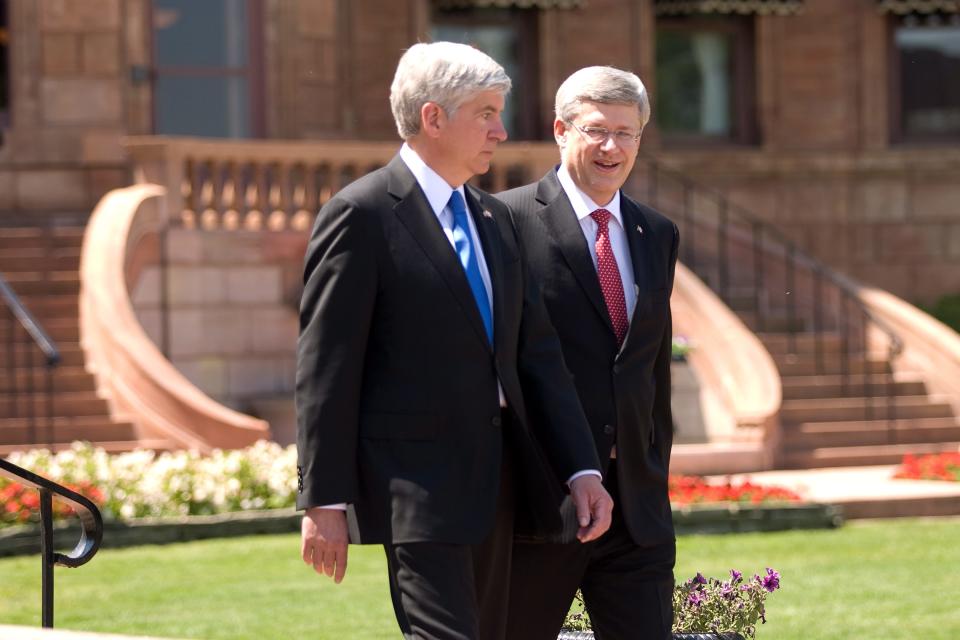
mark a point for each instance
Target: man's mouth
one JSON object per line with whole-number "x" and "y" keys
{"x": 606, "y": 166}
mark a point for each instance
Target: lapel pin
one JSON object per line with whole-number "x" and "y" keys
{"x": 640, "y": 229}
{"x": 487, "y": 214}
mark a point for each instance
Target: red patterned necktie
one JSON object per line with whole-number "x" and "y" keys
{"x": 610, "y": 282}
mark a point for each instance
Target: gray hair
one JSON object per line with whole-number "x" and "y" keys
{"x": 604, "y": 85}
{"x": 446, "y": 73}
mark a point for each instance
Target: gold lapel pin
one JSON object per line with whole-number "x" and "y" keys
{"x": 487, "y": 214}
{"x": 639, "y": 228}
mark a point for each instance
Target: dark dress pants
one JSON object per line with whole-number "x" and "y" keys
{"x": 456, "y": 591}
{"x": 627, "y": 588}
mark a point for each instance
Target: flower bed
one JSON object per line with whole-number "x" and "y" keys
{"x": 144, "y": 484}
{"x": 147, "y": 484}
{"x": 937, "y": 466}
{"x": 686, "y": 490}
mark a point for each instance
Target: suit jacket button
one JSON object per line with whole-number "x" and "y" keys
{"x": 616, "y": 368}
{"x": 608, "y": 429}
{"x": 496, "y": 421}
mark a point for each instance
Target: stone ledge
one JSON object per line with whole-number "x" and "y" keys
{"x": 700, "y": 519}
{"x": 16, "y": 632}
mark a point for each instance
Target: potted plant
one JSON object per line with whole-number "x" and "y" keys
{"x": 703, "y": 608}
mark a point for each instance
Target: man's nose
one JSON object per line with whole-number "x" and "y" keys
{"x": 498, "y": 131}
{"x": 609, "y": 144}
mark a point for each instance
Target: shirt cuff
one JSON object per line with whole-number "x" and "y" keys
{"x": 585, "y": 472}
{"x": 340, "y": 506}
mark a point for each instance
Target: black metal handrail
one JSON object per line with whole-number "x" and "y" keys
{"x": 91, "y": 532}
{"x": 51, "y": 356}
{"x": 722, "y": 240}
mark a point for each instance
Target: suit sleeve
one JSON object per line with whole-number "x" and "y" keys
{"x": 662, "y": 412}
{"x": 340, "y": 282}
{"x": 553, "y": 407}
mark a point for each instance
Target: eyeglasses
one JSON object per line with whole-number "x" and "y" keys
{"x": 600, "y": 135}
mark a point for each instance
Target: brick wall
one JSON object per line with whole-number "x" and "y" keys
{"x": 232, "y": 319}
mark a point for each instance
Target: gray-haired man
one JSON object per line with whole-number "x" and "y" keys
{"x": 423, "y": 352}
{"x": 606, "y": 264}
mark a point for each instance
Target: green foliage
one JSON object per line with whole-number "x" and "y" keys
{"x": 946, "y": 310}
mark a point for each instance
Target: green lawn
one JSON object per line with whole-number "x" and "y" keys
{"x": 881, "y": 579}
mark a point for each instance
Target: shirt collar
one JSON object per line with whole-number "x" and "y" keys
{"x": 434, "y": 187}
{"x": 583, "y": 205}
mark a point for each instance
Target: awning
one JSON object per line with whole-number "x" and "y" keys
{"x": 904, "y": 7}
{"x": 507, "y": 4}
{"x": 759, "y": 7}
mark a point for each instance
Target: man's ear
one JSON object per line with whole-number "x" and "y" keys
{"x": 432, "y": 118}
{"x": 560, "y": 132}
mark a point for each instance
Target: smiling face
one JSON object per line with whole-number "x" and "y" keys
{"x": 599, "y": 169}
{"x": 461, "y": 146}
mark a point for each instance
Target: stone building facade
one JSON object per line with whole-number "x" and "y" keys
{"x": 838, "y": 121}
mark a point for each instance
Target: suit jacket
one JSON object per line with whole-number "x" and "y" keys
{"x": 625, "y": 392}
{"x": 397, "y": 401}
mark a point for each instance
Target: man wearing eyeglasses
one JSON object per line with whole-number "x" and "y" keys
{"x": 606, "y": 265}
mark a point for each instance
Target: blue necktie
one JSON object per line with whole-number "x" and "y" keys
{"x": 463, "y": 244}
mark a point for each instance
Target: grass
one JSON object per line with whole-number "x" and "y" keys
{"x": 878, "y": 579}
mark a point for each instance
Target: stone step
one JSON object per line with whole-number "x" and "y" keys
{"x": 812, "y": 435}
{"x": 838, "y": 409}
{"x": 49, "y": 306}
{"x": 834, "y": 386}
{"x": 71, "y": 355}
{"x": 118, "y": 446}
{"x": 67, "y": 403}
{"x": 35, "y": 237}
{"x": 89, "y": 428}
{"x": 15, "y": 260}
{"x": 795, "y": 365}
{"x": 861, "y": 456}
{"x": 31, "y": 283}
{"x": 65, "y": 378}
{"x": 772, "y": 323}
{"x": 801, "y": 342}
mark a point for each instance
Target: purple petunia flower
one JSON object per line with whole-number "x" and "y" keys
{"x": 728, "y": 591}
{"x": 771, "y": 582}
{"x": 699, "y": 579}
{"x": 736, "y": 576}
{"x": 695, "y": 599}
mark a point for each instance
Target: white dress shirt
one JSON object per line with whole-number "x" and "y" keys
{"x": 583, "y": 206}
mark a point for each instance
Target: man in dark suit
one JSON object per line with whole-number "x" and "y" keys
{"x": 606, "y": 266}
{"x": 424, "y": 353}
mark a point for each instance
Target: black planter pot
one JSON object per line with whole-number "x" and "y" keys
{"x": 588, "y": 635}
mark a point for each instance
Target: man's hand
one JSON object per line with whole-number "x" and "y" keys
{"x": 594, "y": 507}
{"x": 324, "y": 541}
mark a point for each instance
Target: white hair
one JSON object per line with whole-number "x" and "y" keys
{"x": 446, "y": 73}
{"x": 603, "y": 85}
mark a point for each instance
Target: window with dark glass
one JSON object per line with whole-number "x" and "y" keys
{"x": 509, "y": 36}
{"x": 926, "y": 79}
{"x": 704, "y": 79}
{"x": 206, "y": 68}
{"x": 4, "y": 67}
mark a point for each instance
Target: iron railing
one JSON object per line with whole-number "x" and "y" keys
{"x": 27, "y": 393}
{"x": 776, "y": 286}
{"x": 91, "y": 531}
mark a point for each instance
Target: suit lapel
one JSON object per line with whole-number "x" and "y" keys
{"x": 415, "y": 213}
{"x": 642, "y": 249}
{"x": 561, "y": 221}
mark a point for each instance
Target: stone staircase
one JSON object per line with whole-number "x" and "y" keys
{"x": 854, "y": 413}
{"x": 42, "y": 267}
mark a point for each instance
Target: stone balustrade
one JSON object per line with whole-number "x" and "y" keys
{"x": 276, "y": 185}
